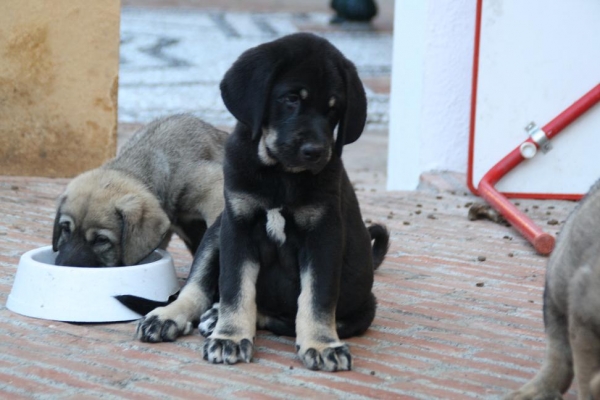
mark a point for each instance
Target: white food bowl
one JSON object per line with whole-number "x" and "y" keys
{"x": 44, "y": 290}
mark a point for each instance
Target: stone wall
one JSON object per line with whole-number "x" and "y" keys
{"x": 59, "y": 63}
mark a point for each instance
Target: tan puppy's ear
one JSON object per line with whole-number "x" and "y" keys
{"x": 144, "y": 226}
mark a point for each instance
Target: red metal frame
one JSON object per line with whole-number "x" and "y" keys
{"x": 474, "y": 98}
{"x": 542, "y": 241}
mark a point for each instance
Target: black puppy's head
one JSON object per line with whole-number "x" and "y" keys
{"x": 292, "y": 93}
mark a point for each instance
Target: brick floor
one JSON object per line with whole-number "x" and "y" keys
{"x": 448, "y": 326}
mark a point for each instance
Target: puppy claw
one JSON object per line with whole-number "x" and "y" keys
{"x": 169, "y": 331}
{"x": 246, "y": 350}
{"x": 218, "y": 351}
{"x": 330, "y": 359}
{"x": 208, "y": 321}
{"x": 230, "y": 352}
{"x": 337, "y": 358}
{"x": 213, "y": 351}
{"x": 312, "y": 360}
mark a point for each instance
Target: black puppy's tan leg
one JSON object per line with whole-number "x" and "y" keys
{"x": 317, "y": 340}
{"x": 556, "y": 374}
{"x": 165, "y": 324}
{"x": 233, "y": 336}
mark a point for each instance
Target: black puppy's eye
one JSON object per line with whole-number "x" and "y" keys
{"x": 101, "y": 240}
{"x": 65, "y": 227}
{"x": 332, "y": 103}
{"x": 292, "y": 99}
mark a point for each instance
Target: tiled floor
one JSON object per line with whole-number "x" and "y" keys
{"x": 172, "y": 60}
{"x": 459, "y": 313}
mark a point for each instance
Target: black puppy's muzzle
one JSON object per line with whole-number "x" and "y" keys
{"x": 311, "y": 152}
{"x": 313, "y": 155}
{"x": 315, "y": 143}
{"x": 302, "y": 144}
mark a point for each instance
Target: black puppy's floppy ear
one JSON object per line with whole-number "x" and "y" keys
{"x": 354, "y": 117}
{"x": 56, "y": 231}
{"x": 246, "y": 86}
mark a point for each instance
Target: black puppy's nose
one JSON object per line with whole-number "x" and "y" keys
{"x": 311, "y": 152}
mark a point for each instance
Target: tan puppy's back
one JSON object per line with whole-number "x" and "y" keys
{"x": 167, "y": 177}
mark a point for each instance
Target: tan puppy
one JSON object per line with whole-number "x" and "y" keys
{"x": 572, "y": 309}
{"x": 167, "y": 178}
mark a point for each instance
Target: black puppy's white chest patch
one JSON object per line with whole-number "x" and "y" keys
{"x": 276, "y": 225}
{"x": 244, "y": 206}
{"x": 305, "y": 218}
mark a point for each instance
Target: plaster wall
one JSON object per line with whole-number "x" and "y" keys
{"x": 59, "y": 64}
{"x": 431, "y": 89}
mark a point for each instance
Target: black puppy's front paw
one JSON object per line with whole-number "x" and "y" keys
{"x": 154, "y": 330}
{"x": 208, "y": 321}
{"x": 332, "y": 359}
{"x": 157, "y": 327}
{"x": 228, "y": 351}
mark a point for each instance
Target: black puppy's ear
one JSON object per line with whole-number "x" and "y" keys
{"x": 246, "y": 86}
{"x": 57, "y": 230}
{"x": 354, "y": 118}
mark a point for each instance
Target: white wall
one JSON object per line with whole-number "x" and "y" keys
{"x": 527, "y": 75}
{"x": 430, "y": 89}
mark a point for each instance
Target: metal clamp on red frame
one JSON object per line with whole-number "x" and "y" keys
{"x": 540, "y": 140}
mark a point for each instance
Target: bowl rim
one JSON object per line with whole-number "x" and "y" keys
{"x": 165, "y": 256}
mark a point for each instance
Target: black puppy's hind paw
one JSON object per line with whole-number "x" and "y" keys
{"x": 218, "y": 351}
{"x": 208, "y": 321}
{"x": 153, "y": 329}
{"x": 330, "y": 359}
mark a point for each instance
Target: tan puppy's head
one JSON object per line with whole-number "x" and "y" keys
{"x": 104, "y": 219}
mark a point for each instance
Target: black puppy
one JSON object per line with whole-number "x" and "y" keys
{"x": 295, "y": 256}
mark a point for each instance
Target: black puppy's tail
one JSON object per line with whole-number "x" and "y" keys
{"x": 381, "y": 236}
{"x": 141, "y": 305}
